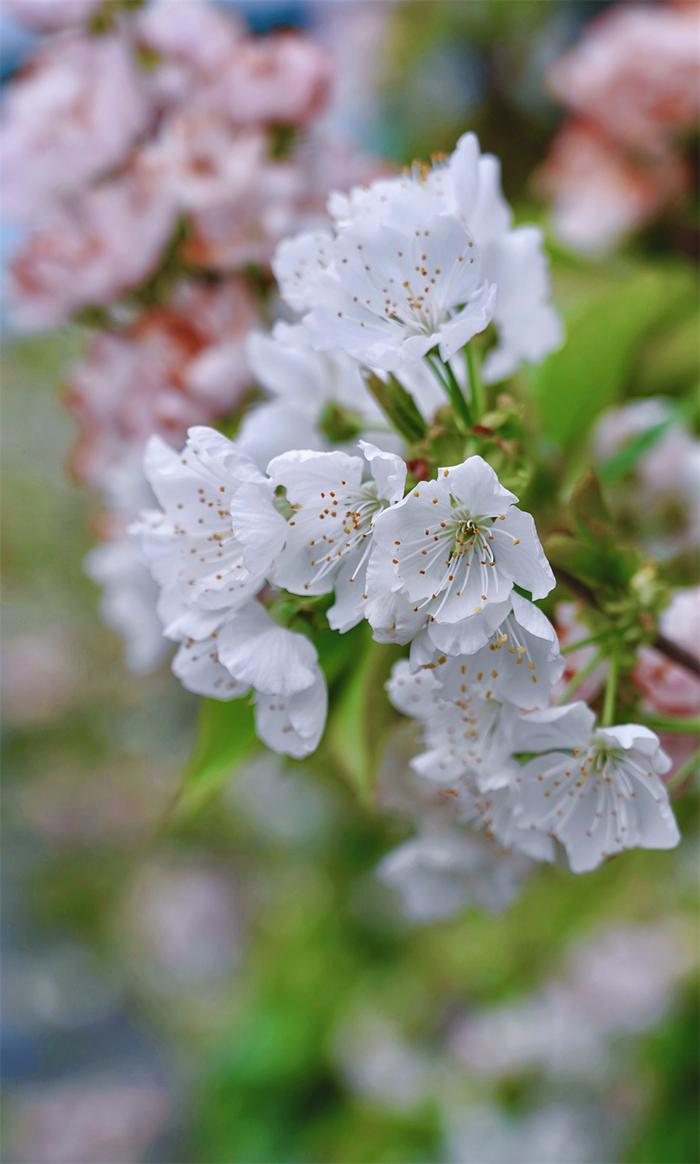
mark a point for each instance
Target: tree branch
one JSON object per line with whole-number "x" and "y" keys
{"x": 666, "y": 646}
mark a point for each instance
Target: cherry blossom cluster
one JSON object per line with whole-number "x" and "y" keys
{"x": 632, "y": 88}
{"x": 302, "y": 508}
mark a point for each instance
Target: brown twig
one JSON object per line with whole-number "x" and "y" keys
{"x": 661, "y": 643}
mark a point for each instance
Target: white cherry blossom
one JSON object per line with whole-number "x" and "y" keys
{"x": 466, "y": 737}
{"x": 458, "y": 545}
{"x": 598, "y": 790}
{"x": 300, "y": 265}
{"x": 467, "y": 188}
{"x": 328, "y": 538}
{"x": 216, "y": 538}
{"x": 393, "y": 291}
{"x": 250, "y": 652}
{"x": 445, "y": 869}
{"x": 520, "y": 663}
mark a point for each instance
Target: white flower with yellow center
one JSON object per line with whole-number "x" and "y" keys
{"x": 457, "y": 546}
{"x": 466, "y": 187}
{"x": 598, "y": 790}
{"x": 335, "y": 499}
{"x": 520, "y": 663}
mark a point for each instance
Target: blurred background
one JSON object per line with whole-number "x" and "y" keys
{"x": 232, "y": 984}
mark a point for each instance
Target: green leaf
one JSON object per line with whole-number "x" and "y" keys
{"x": 624, "y": 461}
{"x": 589, "y": 373}
{"x": 225, "y": 737}
{"x": 397, "y": 404}
{"x": 361, "y": 715}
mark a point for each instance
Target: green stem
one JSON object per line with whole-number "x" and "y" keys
{"x": 452, "y": 389}
{"x": 669, "y": 723}
{"x": 686, "y": 769}
{"x": 571, "y": 647}
{"x": 476, "y": 387}
{"x": 574, "y": 683}
{"x": 610, "y": 692}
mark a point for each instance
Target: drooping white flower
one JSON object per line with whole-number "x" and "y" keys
{"x": 328, "y": 538}
{"x": 215, "y": 540}
{"x": 458, "y": 545}
{"x": 465, "y": 736}
{"x": 446, "y": 869}
{"x": 598, "y": 790}
{"x": 248, "y": 652}
{"x": 468, "y": 756}
{"x": 520, "y": 663}
{"x": 395, "y": 298}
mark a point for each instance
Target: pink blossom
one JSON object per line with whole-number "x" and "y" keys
{"x": 679, "y": 748}
{"x": 598, "y": 193}
{"x": 50, "y": 15}
{"x": 670, "y": 688}
{"x": 71, "y": 115}
{"x": 636, "y": 72}
{"x": 239, "y": 201}
{"x": 282, "y": 79}
{"x": 177, "y": 365}
{"x": 88, "y": 252}
{"x": 192, "y": 41}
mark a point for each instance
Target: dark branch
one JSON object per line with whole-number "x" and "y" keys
{"x": 660, "y": 643}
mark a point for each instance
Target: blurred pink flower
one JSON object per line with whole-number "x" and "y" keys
{"x": 176, "y": 365}
{"x": 50, "y": 15}
{"x": 599, "y": 193}
{"x": 636, "y": 73}
{"x": 668, "y": 687}
{"x": 239, "y": 201}
{"x": 192, "y": 42}
{"x": 88, "y": 252}
{"x": 70, "y": 116}
{"x": 280, "y": 79}
{"x": 100, "y": 1120}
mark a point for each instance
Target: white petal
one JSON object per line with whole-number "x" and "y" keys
{"x": 293, "y": 724}
{"x": 567, "y": 726}
{"x": 308, "y": 475}
{"x": 388, "y": 470}
{"x": 258, "y": 652}
{"x": 197, "y": 667}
